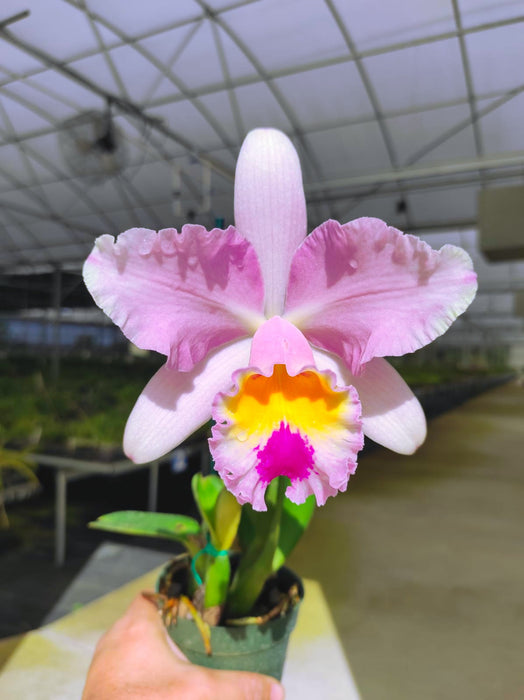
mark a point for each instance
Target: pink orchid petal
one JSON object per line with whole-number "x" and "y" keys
{"x": 303, "y": 427}
{"x": 391, "y": 414}
{"x": 318, "y": 486}
{"x": 270, "y": 208}
{"x": 363, "y": 290}
{"x": 174, "y": 404}
{"x": 278, "y": 342}
{"x": 181, "y": 294}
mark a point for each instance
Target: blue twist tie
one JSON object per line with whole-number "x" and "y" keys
{"x": 208, "y": 549}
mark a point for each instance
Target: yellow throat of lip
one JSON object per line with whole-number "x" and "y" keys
{"x": 306, "y": 402}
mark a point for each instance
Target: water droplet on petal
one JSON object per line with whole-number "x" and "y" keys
{"x": 241, "y": 435}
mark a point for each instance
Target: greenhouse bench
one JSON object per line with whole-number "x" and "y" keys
{"x": 72, "y": 468}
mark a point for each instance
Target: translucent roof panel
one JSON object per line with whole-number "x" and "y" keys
{"x": 426, "y": 135}
{"x": 502, "y": 128}
{"x": 474, "y": 12}
{"x": 350, "y": 150}
{"x": 336, "y": 96}
{"x": 494, "y": 56}
{"x": 402, "y": 77}
{"x": 283, "y": 35}
{"x": 375, "y": 24}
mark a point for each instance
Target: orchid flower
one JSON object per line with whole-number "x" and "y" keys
{"x": 278, "y": 336}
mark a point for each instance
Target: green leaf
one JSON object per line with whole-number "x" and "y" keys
{"x": 136, "y": 522}
{"x": 221, "y": 514}
{"x": 227, "y": 519}
{"x": 295, "y": 520}
{"x": 217, "y": 581}
{"x": 219, "y": 508}
{"x": 206, "y": 490}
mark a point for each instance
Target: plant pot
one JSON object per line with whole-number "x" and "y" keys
{"x": 259, "y": 648}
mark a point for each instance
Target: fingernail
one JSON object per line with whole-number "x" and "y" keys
{"x": 277, "y": 692}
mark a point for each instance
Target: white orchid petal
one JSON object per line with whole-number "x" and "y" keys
{"x": 174, "y": 404}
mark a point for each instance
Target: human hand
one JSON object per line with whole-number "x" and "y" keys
{"x": 137, "y": 659}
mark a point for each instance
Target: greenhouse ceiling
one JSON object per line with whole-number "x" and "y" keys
{"x": 114, "y": 115}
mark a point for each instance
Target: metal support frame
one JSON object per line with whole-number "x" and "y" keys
{"x": 60, "y": 515}
{"x": 62, "y": 476}
{"x": 57, "y": 304}
{"x": 152, "y": 496}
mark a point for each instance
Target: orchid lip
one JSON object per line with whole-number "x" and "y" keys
{"x": 274, "y": 423}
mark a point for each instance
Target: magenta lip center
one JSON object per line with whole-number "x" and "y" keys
{"x": 285, "y": 454}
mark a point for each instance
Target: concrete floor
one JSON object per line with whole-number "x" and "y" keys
{"x": 422, "y": 561}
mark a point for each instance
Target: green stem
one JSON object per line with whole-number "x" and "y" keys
{"x": 256, "y": 563}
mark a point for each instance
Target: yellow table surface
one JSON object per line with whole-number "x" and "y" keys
{"x": 52, "y": 661}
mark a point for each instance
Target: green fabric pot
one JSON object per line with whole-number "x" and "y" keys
{"x": 259, "y": 648}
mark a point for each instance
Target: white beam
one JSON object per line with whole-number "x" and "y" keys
{"x": 429, "y": 171}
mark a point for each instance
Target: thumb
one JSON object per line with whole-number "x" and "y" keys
{"x": 139, "y": 628}
{"x": 241, "y": 685}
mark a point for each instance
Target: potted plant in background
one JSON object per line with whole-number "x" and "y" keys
{"x": 280, "y": 338}
{"x": 17, "y": 478}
